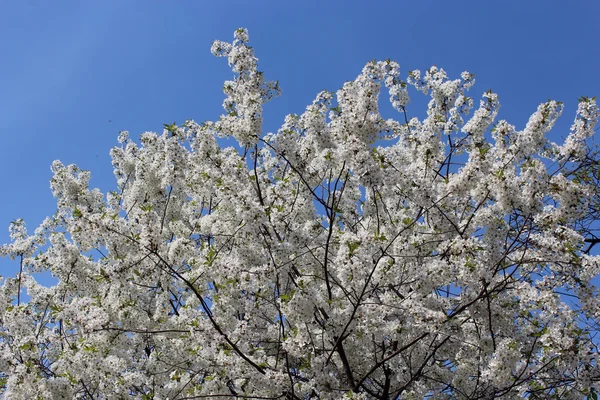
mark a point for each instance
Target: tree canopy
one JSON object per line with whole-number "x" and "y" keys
{"x": 343, "y": 256}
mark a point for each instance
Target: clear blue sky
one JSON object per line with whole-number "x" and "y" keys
{"x": 75, "y": 73}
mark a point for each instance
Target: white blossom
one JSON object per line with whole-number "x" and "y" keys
{"x": 342, "y": 256}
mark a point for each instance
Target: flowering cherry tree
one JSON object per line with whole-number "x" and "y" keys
{"x": 344, "y": 256}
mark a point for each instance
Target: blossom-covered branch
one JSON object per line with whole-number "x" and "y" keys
{"x": 343, "y": 256}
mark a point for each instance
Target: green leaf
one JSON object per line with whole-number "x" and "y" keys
{"x": 172, "y": 128}
{"x": 337, "y": 110}
{"x": 146, "y": 207}
{"x": 287, "y": 296}
{"x": 352, "y": 246}
{"x": 90, "y": 348}
{"x": 26, "y": 346}
{"x": 211, "y": 255}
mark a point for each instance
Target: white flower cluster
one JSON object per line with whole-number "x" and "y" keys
{"x": 344, "y": 256}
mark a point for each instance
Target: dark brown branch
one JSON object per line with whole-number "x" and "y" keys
{"x": 386, "y": 359}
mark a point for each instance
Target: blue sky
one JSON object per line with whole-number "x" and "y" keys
{"x": 74, "y": 74}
